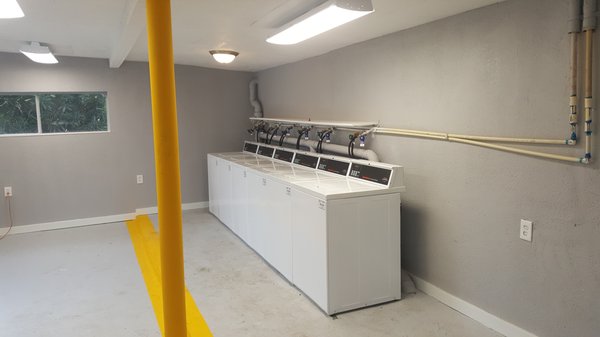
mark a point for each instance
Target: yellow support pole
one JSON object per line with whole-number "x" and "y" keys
{"x": 166, "y": 156}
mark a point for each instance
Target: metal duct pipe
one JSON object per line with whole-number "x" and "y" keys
{"x": 576, "y": 10}
{"x": 589, "y": 25}
{"x": 369, "y": 155}
{"x": 589, "y": 14}
{"x": 258, "y": 110}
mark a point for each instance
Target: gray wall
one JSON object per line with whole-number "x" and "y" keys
{"x": 62, "y": 177}
{"x": 500, "y": 70}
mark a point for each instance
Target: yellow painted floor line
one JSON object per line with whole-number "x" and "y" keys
{"x": 147, "y": 249}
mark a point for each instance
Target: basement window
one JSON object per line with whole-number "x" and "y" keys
{"x": 53, "y": 113}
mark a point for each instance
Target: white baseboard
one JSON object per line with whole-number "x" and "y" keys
{"x": 470, "y": 310}
{"x": 47, "y": 226}
{"x": 194, "y": 205}
{"x": 184, "y": 207}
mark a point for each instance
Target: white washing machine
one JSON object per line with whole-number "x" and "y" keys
{"x": 272, "y": 187}
{"x": 346, "y": 239}
{"x": 226, "y": 171}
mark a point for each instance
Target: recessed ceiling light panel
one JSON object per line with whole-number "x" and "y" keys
{"x": 327, "y": 16}
{"x": 10, "y": 9}
{"x": 38, "y": 53}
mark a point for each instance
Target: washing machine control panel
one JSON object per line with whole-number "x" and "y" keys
{"x": 265, "y": 151}
{"x": 249, "y": 147}
{"x": 382, "y": 174}
{"x": 334, "y": 166}
{"x": 371, "y": 173}
{"x": 306, "y": 160}
{"x": 284, "y": 155}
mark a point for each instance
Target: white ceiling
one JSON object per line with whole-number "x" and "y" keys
{"x": 115, "y": 29}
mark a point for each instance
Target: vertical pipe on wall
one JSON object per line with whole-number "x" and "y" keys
{"x": 166, "y": 154}
{"x": 589, "y": 24}
{"x": 573, "y": 96}
{"x": 576, "y": 7}
{"x": 588, "y": 102}
{"x": 253, "y": 89}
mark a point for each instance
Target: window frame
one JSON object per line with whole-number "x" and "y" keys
{"x": 39, "y": 132}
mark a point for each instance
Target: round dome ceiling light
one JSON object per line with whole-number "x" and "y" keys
{"x": 224, "y": 56}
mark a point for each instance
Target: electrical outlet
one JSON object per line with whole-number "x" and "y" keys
{"x": 8, "y": 191}
{"x": 140, "y": 179}
{"x": 526, "y": 230}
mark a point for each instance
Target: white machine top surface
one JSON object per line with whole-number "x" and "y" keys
{"x": 249, "y": 160}
{"x": 300, "y": 176}
{"x": 332, "y": 179}
{"x": 288, "y": 172}
{"x": 265, "y": 164}
{"x": 239, "y": 156}
{"x": 337, "y": 189}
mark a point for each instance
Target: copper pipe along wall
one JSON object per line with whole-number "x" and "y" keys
{"x": 489, "y": 146}
{"x": 575, "y": 22}
{"x": 574, "y": 39}
{"x": 520, "y": 151}
{"x": 588, "y": 104}
{"x": 573, "y": 96}
{"x": 481, "y": 138}
{"x": 589, "y": 34}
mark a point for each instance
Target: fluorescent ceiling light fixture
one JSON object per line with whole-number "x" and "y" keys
{"x": 10, "y": 9}
{"x": 224, "y": 56}
{"x": 325, "y": 17}
{"x": 37, "y": 53}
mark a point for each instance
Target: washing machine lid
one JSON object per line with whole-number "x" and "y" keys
{"x": 284, "y": 169}
{"x": 315, "y": 175}
{"x": 251, "y": 161}
{"x": 239, "y": 156}
{"x": 291, "y": 177}
{"x": 261, "y": 164}
{"x": 342, "y": 188}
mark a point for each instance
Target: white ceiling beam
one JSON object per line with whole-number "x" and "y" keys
{"x": 132, "y": 25}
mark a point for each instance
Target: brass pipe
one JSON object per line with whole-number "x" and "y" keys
{"x": 486, "y": 145}
{"x": 588, "y": 61}
{"x": 588, "y": 103}
{"x": 573, "y": 96}
{"x": 574, "y": 39}
{"x": 520, "y": 151}
{"x": 481, "y": 138}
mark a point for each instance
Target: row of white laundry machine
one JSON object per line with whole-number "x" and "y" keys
{"x": 330, "y": 225}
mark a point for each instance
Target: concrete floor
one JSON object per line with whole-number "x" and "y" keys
{"x": 86, "y": 282}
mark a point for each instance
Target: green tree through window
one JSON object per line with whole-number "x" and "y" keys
{"x": 18, "y": 114}
{"x": 58, "y": 113}
{"x": 73, "y": 112}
